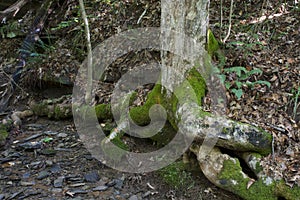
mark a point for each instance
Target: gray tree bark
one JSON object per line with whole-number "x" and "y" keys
{"x": 188, "y": 18}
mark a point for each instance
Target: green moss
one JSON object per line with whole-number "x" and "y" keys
{"x": 140, "y": 115}
{"x": 40, "y": 109}
{"x": 52, "y": 110}
{"x": 119, "y": 143}
{"x": 191, "y": 90}
{"x": 185, "y": 93}
{"x": 176, "y": 176}
{"x": 60, "y": 112}
{"x": 165, "y": 135}
{"x": 212, "y": 43}
{"x": 232, "y": 179}
{"x": 103, "y": 111}
{"x": 285, "y": 191}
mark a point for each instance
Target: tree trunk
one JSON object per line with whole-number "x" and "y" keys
{"x": 184, "y": 26}
{"x": 190, "y": 19}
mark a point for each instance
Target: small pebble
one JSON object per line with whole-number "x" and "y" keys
{"x": 133, "y": 197}
{"x": 100, "y": 188}
{"x": 25, "y": 183}
{"x": 43, "y": 174}
{"x": 62, "y": 135}
{"x": 146, "y": 194}
{"x": 58, "y": 183}
{"x": 55, "y": 169}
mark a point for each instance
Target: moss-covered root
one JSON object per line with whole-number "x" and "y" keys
{"x": 54, "y": 109}
{"x": 231, "y": 134}
{"x": 226, "y": 172}
{"x": 253, "y": 161}
{"x": 18, "y": 115}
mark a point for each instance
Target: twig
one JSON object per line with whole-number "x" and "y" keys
{"x": 277, "y": 128}
{"x": 12, "y": 81}
{"x": 142, "y": 15}
{"x": 221, "y": 14}
{"x": 229, "y": 28}
{"x": 273, "y": 148}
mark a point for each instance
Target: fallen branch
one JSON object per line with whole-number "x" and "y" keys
{"x": 13, "y": 8}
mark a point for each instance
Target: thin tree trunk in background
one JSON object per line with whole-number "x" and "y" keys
{"x": 88, "y": 93}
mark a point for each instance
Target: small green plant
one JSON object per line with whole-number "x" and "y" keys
{"x": 65, "y": 24}
{"x": 240, "y": 78}
{"x": 47, "y": 139}
{"x": 70, "y": 22}
{"x": 246, "y": 48}
{"x": 37, "y": 52}
{"x": 10, "y": 30}
{"x": 176, "y": 176}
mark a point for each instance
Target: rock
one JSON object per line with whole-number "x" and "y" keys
{"x": 111, "y": 183}
{"x": 62, "y": 135}
{"x": 77, "y": 185}
{"x": 100, "y": 188}
{"x": 26, "y": 175}
{"x": 50, "y": 133}
{"x": 77, "y": 191}
{"x": 43, "y": 174}
{"x": 74, "y": 179}
{"x": 92, "y": 176}
{"x": 15, "y": 194}
{"x": 58, "y": 183}
{"x": 30, "y": 145}
{"x": 133, "y": 197}
{"x": 35, "y": 127}
{"x": 49, "y": 162}
{"x": 25, "y": 183}
{"x": 48, "y": 152}
{"x": 32, "y": 137}
{"x": 119, "y": 183}
{"x": 57, "y": 191}
{"x": 55, "y": 169}
{"x": 5, "y": 160}
{"x": 146, "y": 194}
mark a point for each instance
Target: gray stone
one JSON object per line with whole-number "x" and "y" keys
{"x": 100, "y": 188}
{"x": 58, "y": 183}
{"x": 133, "y": 197}
{"x": 92, "y": 176}
{"x": 43, "y": 174}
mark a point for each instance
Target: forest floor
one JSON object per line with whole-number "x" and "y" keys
{"x": 264, "y": 35}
